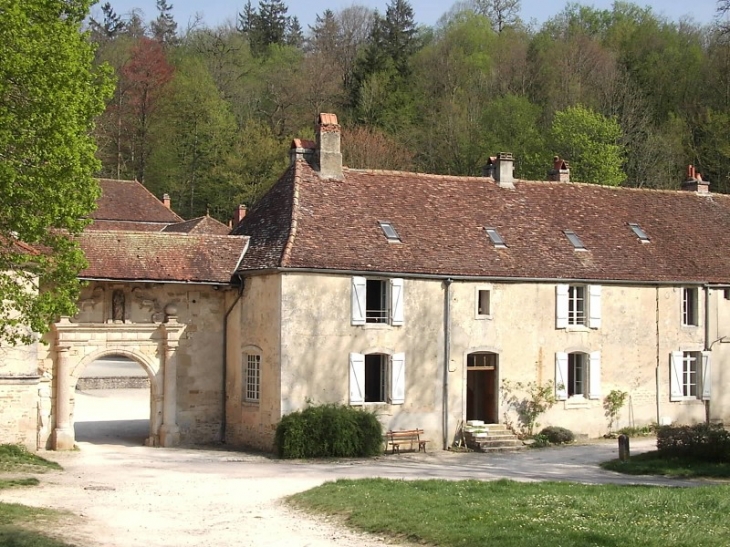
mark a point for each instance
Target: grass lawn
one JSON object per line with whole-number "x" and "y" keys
{"x": 511, "y": 514}
{"x": 649, "y": 463}
{"x": 19, "y": 524}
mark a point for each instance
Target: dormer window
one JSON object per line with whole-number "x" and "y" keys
{"x": 575, "y": 240}
{"x": 389, "y": 231}
{"x": 496, "y": 238}
{"x": 641, "y": 234}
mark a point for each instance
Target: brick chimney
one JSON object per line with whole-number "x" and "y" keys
{"x": 328, "y": 155}
{"x": 560, "y": 171}
{"x": 501, "y": 167}
{"x": 239, "y": 214}
{"x": 166, "y": 200}
{"x": 694, "y": 182}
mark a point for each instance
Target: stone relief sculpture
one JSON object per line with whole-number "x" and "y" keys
{"x": 150, "y": 303}
{"x": 92, "y": 300}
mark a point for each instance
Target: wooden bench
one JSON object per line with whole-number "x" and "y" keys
{"x": 394, "y": 440}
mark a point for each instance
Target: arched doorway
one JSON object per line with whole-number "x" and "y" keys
{"x": 482, "y": 393}
{"x": 112, "y": 402}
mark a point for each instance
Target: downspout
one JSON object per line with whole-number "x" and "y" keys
{"x": 656, "y": 371}
{"x": 241, "y": 286}
{"x": 447, "y": 360}
{"x": 707, "y": 344}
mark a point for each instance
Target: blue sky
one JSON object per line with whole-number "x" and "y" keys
{"x": 427, "y": 11}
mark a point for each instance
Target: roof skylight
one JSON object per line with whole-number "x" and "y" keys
{"x": 496, "y": 238}
{"x": 389, "y": 231}
{"x": 641, "y": 234}
{"x": 575, "y": 240}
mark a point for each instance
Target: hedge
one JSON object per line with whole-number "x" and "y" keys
{"x": 325, "y": 431}
{"x": 705, "y": 442}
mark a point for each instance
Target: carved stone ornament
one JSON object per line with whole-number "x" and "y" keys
{"x": 96, "y": 296}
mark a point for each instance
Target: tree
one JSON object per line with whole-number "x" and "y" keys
{"x": 589, "y": 141}
{"x": 46, "y": 159}
{"x": 294, "y": 35}
{"x": 723, "y": 10}
{"x": 164, "y": 28}
{"x": 110, "y": 26}
{"x": 501, "y": 13}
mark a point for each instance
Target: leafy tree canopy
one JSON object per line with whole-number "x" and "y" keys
{"x": 49, "y": 96}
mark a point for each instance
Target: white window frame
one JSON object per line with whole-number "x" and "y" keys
{"x": 567, "y": 298}
{"x": 393, "y": 305}
{"x": 690, "y": 307}
{"x": 251, "y": 381}
{"x": 591, "y": 377}
{"x": 392, "y": 374}
{"x": 682, "y": 377}
{"x": 478, "y": 308}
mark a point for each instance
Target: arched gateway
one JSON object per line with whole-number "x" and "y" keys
{"x": 152, "y": 345}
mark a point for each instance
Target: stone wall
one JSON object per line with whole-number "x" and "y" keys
{"x": 19, "y": 410}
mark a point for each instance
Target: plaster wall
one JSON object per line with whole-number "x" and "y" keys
{"x": 254, "y": 328}
{"x": 641, "y": 326}
{"x": 720, "y": 340}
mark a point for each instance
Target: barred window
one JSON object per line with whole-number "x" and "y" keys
{"x": 252, "y": 378}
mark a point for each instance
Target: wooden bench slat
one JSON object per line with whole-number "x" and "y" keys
{"x": 395, "y": 438}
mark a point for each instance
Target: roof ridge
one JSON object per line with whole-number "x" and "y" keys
{"x": 296, "y": 183}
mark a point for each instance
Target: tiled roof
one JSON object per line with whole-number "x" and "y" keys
{"x": 200, "y": 225}
{"x": 122, "y": 225}
{"x": 148, "y": 256}
{"x": 307, "y": 222}
{"x": 129, "y": 200}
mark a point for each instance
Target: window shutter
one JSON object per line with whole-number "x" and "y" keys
{"x": 561, "y": 311}
{"x": 357, "y": 378}
{"x": 398, "y": 379}
{"x": 675, "y": 376}
{"x": 594, "y": 306}
{"x": 706, "y": 375}
{"x": 594, "y": 375}
{"x": 561, "y": 376}
{"x": 358, "y": 300}
{"x": 396, "y": 301}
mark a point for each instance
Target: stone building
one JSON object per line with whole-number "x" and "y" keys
{"x": 415, "y": 296}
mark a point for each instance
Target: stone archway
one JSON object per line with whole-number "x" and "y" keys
{"x": 152, "y": 345}
{"x": 155, "y": 386}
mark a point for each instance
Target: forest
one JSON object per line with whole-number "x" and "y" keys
{"x": 206, "y": 114}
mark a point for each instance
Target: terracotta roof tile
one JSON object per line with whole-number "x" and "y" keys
{"x": 200, "y": 225}
{"x": 129, "y": 256}
{"x": 127, "y": 225}
{"x": 130, "y": 201}
{"x": 307, "y": 222}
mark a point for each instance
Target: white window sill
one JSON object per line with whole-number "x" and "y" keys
{"x": 484, "y": 317}
{"x": 250, "y": 404}
{"x": 577, "y": 328}
{"x": 688, "y": 401}
{"x": 690, "y": 327}
{"x": 377, "y": 326}
{"x": 577, "y": 401}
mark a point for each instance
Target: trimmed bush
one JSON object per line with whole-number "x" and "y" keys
{"x": 705, "y": 442}
{"x": 557, "y": 435}
{"x": 327, "y": 431}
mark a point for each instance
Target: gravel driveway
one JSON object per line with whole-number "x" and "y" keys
{"x": 129, "y": 496}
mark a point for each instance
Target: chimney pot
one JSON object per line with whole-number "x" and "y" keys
{"x": 694, "y": 182}
{"x": 560, "y": 171}
{"x": 502, "y": 169}
{"x": 239, "y": 214}
{"x": 329, "y": 155}
{"x": 166, "y": 200}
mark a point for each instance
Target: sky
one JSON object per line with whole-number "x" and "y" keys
{"x": 427, "y": 12}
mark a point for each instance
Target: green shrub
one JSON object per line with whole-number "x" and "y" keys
{"x": 638, "y": 431}
{"x": 325, "y": 431}
{"x": 705, "y": 442}
{"x": 557, "y": 435}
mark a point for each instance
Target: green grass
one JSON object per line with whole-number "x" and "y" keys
{"x": 650, "y": 463}
{"x": 16, "y": 458}
{"x": 511, "y": 514}
{"x": 15, "y": 520}
{"x": 20, "y": 525}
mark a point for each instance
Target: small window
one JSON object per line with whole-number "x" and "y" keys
{"x": 484, "y": 302}
{"x": 575, "y": 240}
{"x": 641, "y": 234}
{"x": 726, "y": 294}
{"x": 481, "y": 361}
{"x": 689, "y": 307}
{"x": 377, "y": 301}
{"x": 690, "y": 375}
{"x": 389, "y": 231}
{"x": 576, "y": 305}
{"x": 576, "y": 374}
{"x": 377, "y": 378}
{"x": 496, "y": 238}
{"x": 252, "y": 378}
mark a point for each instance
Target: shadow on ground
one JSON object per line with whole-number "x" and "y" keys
{"x": 115, "y": 432}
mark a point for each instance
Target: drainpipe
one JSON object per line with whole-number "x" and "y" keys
{"x": 708, "y": 344}
{"x": 241, "y": 286}
{"x": 447, "y": 360}
{"x": 656, "y": 371}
